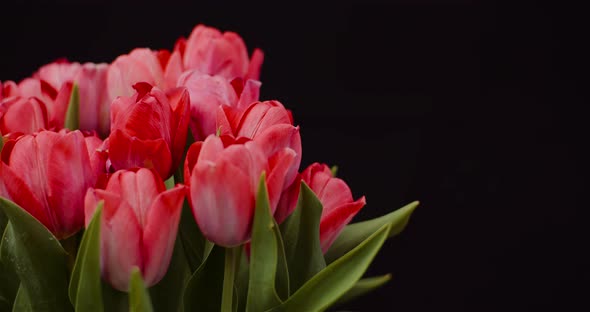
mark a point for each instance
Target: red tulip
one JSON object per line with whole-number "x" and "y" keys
{"x": 335, "y": 196}
{"x": 208, "y": 93}
{"x": 149, "y": 129}
{"x": 47, "y": 174}
{"x": 223, "y": 182}
{"x": 211, "y": 52}
{"x": 271, "y": 126}
{"x": 141, "y": 65}
{"x": 138, "y": 226}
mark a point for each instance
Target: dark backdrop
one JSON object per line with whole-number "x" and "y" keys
{"x": 475, "y": 110}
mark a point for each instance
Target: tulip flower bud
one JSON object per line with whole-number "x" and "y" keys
{"x": 47, "y": 174}
{"x": 270, "y": 125}
{"x": 336, "y": 198}
{"x": 149, "y": 129}
{"x": 221, "y": 54}
{"x": 138, "y": 227}
{"x": 223, "y": 179}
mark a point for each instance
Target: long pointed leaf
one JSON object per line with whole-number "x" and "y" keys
{"x": 364, "y": 286}
{"x": 85, "y": 283}
{"x": 263, "y": 257}
{"x": 73, "y": 113}
{"x": 139, "y": 298}
{"x": 301, "y": 232}
{"x": 282, "y": 280}
{"x": 9, "y": 281}
{"x": 37, "y": 258}
{"x": 355, "y": 233}
{"x": 336, "y": 279}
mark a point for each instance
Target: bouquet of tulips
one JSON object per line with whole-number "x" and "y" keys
{"x": 161, "y": 182}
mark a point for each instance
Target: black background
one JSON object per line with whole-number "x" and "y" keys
{"x": 474, "y": 109}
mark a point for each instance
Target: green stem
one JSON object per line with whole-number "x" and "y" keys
{"x": 229, "y": 277}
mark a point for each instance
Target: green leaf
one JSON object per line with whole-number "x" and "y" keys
{"x": 169, "y": 183}
{"x": 301, "y": 232}
{"x": 21, "y": 301}
{"x": 37, "y": 258}
{"x": 241, "y": 283}
{"x": 194, "y": 244}
{"x": 167, "y": 294}
{"x": 203, "y": 290}
{"x": 73, "y": 113}
{"x": 364, "y": 286}
{"x": 354, "y": 234}
{"x": 9, "y": 281}
{"x": 263, "y": 255}
{"x": 334, "y": 170}
{"x": 282, "y": 281}
{"x": 139, "y": 298}
{"x": 336, "y": 279}
{"x": 85, "y": 283}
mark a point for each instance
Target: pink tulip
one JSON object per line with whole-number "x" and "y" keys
{"x": 223, "y": 181}
{"x": 208, "y": 93}
{"x": 149, "y": 129}
{"x": 47, "y": 174}
{"x": 138, "y": 226}
{"x": 52, "y": 84}
{"x": 271, "y": 126}
{"x": 141, "y": 65}
{"x": 335, "y": 196}
{"x": 211, "y": 52}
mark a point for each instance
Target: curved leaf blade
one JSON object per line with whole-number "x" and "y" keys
{"x": 335, "y": 280}
{"x": 263, "y": 256}
{"x": 72, "y": 121}
{"x": 364, "y": 286}
{"x": 139, "y": 298}
{"x": 85, "y": 283}
{"x": 37, "y": 258}
{"x": 282, "y": 280}
{"x": 302, "y": 239}
{"x": 354, "y": 234}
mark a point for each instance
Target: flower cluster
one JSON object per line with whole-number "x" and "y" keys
{"x": 132, "y": 142}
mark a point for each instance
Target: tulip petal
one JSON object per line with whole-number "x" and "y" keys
{"x": 288, "y": 200}
{"x": 250, "y": 94}
{"x": 159, "y": 233}
{"x": 129, "y": 152}
{"x": 206, "y": 94}
{"x": 222, "y": 202}
{"x": 68, "y": 187}
{"x": 139, "y": 189}
{"x": 335, "y": 220}
{"x": 260, "y": 116}
{"x": 14, "y": 188}
{"x": 94, "y": 102}
{"x": 23, "y": 115}
{"x": 180, "y": 104}
{"x": 279, "y": 164}
{"x": 255, "y": 65}
{"x": 333, "y": 193}
{"x": 211, "y": 149}
{"x": 192, "y": 156}
{"x": 120, "y": 241}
